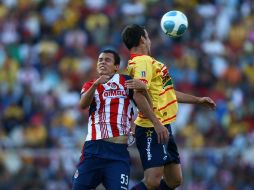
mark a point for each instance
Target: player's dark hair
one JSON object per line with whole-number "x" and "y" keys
{"x": 131, "y": 35}
{"x": 116, "y": 55}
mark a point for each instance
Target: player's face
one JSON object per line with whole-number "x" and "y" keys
{"x": 105, "y": 64}
{"x": 148, "y": 43}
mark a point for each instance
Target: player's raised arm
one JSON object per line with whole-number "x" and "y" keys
{"x": 190, "y": 99}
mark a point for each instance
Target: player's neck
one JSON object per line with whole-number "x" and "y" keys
{"x": 139, "y": 51}
{"x": 110, "y": 75}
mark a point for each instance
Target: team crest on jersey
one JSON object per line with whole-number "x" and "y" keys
{"x": 113, "y": 85}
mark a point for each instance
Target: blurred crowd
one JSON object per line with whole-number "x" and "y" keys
{"x": 48, "y": 49}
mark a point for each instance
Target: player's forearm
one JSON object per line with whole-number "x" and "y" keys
{"x": 144, "y": 107}
{"x": 186, "y": 98}
{"x": 147, "y": 96}
{"x": 87, "y": 98}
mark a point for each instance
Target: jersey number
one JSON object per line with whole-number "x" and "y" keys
{"x": 124, "y": 180}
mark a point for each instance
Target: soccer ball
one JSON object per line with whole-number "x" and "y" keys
{"x": 174, "y": 23}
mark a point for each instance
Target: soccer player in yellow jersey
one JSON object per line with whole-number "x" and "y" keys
{"x": 159, "y": 154}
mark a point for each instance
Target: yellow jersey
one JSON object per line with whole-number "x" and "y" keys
{"x": 160, "y": 87}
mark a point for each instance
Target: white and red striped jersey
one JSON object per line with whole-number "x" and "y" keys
{"x": 111, "y": 110}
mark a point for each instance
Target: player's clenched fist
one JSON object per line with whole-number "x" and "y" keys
{"x": 206, "y": 101}
{"x": 162, "y": 133}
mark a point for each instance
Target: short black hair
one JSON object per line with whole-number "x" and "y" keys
{"x": 131, "y": 35}
{"x": 116, "y": 55}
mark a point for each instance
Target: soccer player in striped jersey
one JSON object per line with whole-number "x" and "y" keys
{"x": 160, "y": 158}
{"x": 105, "y": 158}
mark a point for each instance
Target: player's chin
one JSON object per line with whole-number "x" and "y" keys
{"x": 102, "y": 72}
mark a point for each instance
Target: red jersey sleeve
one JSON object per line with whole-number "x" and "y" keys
{"x": 86, "y": 87}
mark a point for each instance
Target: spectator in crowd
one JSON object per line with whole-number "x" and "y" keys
{"x": 55, "y": 43}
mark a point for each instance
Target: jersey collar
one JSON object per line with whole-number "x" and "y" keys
{"x": 135, "y": 55}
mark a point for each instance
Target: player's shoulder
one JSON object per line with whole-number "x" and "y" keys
{"x": 144, "y": 57}
{"x": 88, "y": 84}
{"x": 124, "y": 76}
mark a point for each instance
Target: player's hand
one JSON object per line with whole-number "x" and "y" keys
{"x": 135, "y": 84}
{"x": 102, "y": 79}
{"x": 162, "y": 133}
{"x": 206, "y": 101}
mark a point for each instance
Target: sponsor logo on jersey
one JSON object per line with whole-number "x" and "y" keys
{"x": 149, "y": 142}
{"x": 114, "y": 93}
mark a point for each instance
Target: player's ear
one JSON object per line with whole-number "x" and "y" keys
{"x": 142, "y": 40}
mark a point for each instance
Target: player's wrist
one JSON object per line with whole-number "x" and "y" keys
{"x": 199, "y": 100}
{"x": 157, "y": 123}
{"x": 95, "y": 84}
